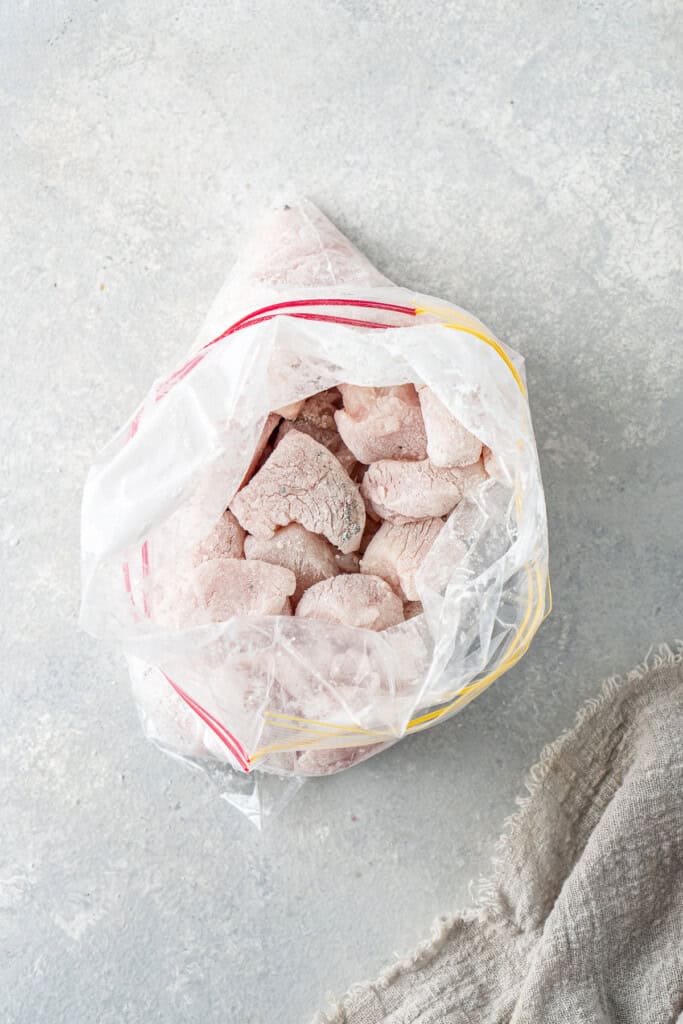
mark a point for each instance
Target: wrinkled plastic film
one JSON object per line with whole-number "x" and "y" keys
{"x": 292, "y": 696}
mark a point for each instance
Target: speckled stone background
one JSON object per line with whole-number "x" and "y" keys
{"x": 522, "y": 159}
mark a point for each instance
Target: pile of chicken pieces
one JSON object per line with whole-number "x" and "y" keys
{"x": 345, "y": 495}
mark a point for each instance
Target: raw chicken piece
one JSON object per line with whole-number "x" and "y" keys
{"x": 411, "y": 609}
{"x": 326, "y": 762}
{"x": 329, "y": 436}
{"x": 402, "y": 491}
{"x": 229, "y": 586}
{"x": 449, "y": 443}
{"x": 309, "y": 556}
{"x": 226, "y": 540}
{"x": 354, "y": 600}
{"x": 302, "y": 482}
{"x": 382, "y": 423}
{"x": 272, "y": 421}
{"x": 398, "y": 550}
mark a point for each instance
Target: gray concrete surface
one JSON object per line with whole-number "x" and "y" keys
{"x": 523, "y": 160}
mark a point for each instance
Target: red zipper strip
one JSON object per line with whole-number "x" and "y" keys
{"x": 178, "y": 375}
{"x": 135, "y": 423}
{"x": 226, "y": 737}
{"x": 171, "y": 381}
{"x": 358, "y": 303}
{"x": 268, "y": 312}
{"x": 144, "y": 554}
{"x": 309, "y": 316}
{"x": 144, "y": 550}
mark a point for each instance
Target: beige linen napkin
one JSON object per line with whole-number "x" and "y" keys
{"x": 582, "y": 921}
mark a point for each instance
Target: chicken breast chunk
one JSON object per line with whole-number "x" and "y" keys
{"x": 302, "y": 482}
{"x": 308, "y": 555}
{"x": 449, "y": 443}
{"x": 382, "y": 423}
{"x": 398, "y": 550}
{"x": 352, "y": 600}
{"x": 226, "y": 540}
{"x": 224, "y": 587}
{"x": 401, "y": 491}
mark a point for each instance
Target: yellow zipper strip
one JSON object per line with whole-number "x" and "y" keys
{"x": 517, "y": 649}
{"x": 325, "y": 725}
{"x": 277, "y": 748}
{"x": 329, "y": 733}
{"x": 506, "y": 663}
{"x": 482, "y": 337}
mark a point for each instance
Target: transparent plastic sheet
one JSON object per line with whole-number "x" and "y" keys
{"x": 256, "y": 697}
